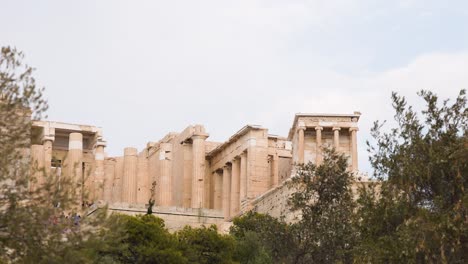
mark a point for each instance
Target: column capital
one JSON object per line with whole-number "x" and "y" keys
{"x": 199, "y": 132}
{"x": 100, "y": 144}
{"x": 336, "y": 128}
{"x": 200, "y": 136}
{"x": 353, "y": 129}
{"x": 301, "y": 128}
{"x": 318, "y": 128}
{"x": 48, "y": 138}
{"x": 129, "y": 151}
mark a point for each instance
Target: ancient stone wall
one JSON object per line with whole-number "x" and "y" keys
{"x": 275, "y": 203}
{"x": 175, "y": 218}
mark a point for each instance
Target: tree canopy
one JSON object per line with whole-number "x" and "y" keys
{"x": 419, "y": 212}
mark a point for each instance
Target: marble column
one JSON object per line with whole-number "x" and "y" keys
{"x": 226, "y": 191}
{"x": 47, "y": 144}
{"x": 218, "y": 190}
{"x": 275, "y": 170}
{"x": 109, "y": 172}
{"x": 187, "y": 175}
{"x": 165, "y": 180}
{"x": 318, "y": 157}
{"x": 235, "y": 191}
{"x": 99, "y": 171}
{"x": 143, "y": 178}
{"x": 300, "y": 144}
{"x": 354, "y": 152}
{"x": 198, "y": 178}
{"x": 75, "y": 156}
{"x": 129, "y": 181}
{"x": 37, "y": 161}
{"x": 208, "y": 187}
{"x": 336, "y": 138}
{"x": 243, "y": 176}
{"x": 118, "y": 179}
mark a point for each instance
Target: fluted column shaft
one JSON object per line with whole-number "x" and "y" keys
{"x": 218, "y": 190}
{"x": 354, "y": 152}
{"x": 198, "y": 180}
{"x": 165, "y": 180}
{"x": 275, "y": 171}
{"x": 47, "y": 144}
{"x": 226, "y": 191}
{"x": 37, "y": 162}
{"x": 129, "y": 181}
{"x": 318, "y": 131}
{"x": 187, "y": 176}
{"x": 235, "y": 191}
{"x": 109, "y": 171}
{"x": 118, "y": 180}
{"x": 243, "y": 176}
{"x": 99, "y": 172}
{"x": 75, "y": 156}
{"x": 300, "y": 144}
{"x": 336, "y": 137}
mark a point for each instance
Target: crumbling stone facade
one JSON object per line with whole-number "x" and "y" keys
{"x": 194, "y": 178}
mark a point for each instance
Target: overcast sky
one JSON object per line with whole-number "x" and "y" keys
{"x": 140, "y": 69}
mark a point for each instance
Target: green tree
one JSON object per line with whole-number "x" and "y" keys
{"x": 33, "y": 228}
{"x": 251, "y": 250}
{"x": 205, "y": 245}
{"x": 417, "y": 213}
{"x": 145, "y": 240}
{"x": 275, "y": 240}
{"x": 325, "y": 232}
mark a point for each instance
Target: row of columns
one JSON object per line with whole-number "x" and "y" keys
{"x": 230, "y": 186}
{"x": 74, "y": 164}
{"x": 194, "y": 188}
{"x": 336, "y": 143}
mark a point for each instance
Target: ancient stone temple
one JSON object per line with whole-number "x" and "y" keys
{"x": 196, "y": 181}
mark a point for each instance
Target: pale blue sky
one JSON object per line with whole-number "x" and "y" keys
{"x": 140, "y": 69}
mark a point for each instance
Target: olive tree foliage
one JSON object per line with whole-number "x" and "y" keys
{"x": 33, "y": 228}
{"x": 325, "y": 232}
{"x": 19, "y": 101}
{"x": 262, "y": 238}
{"x": 417, "y": 213}
{"x": 205, "y": 245}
